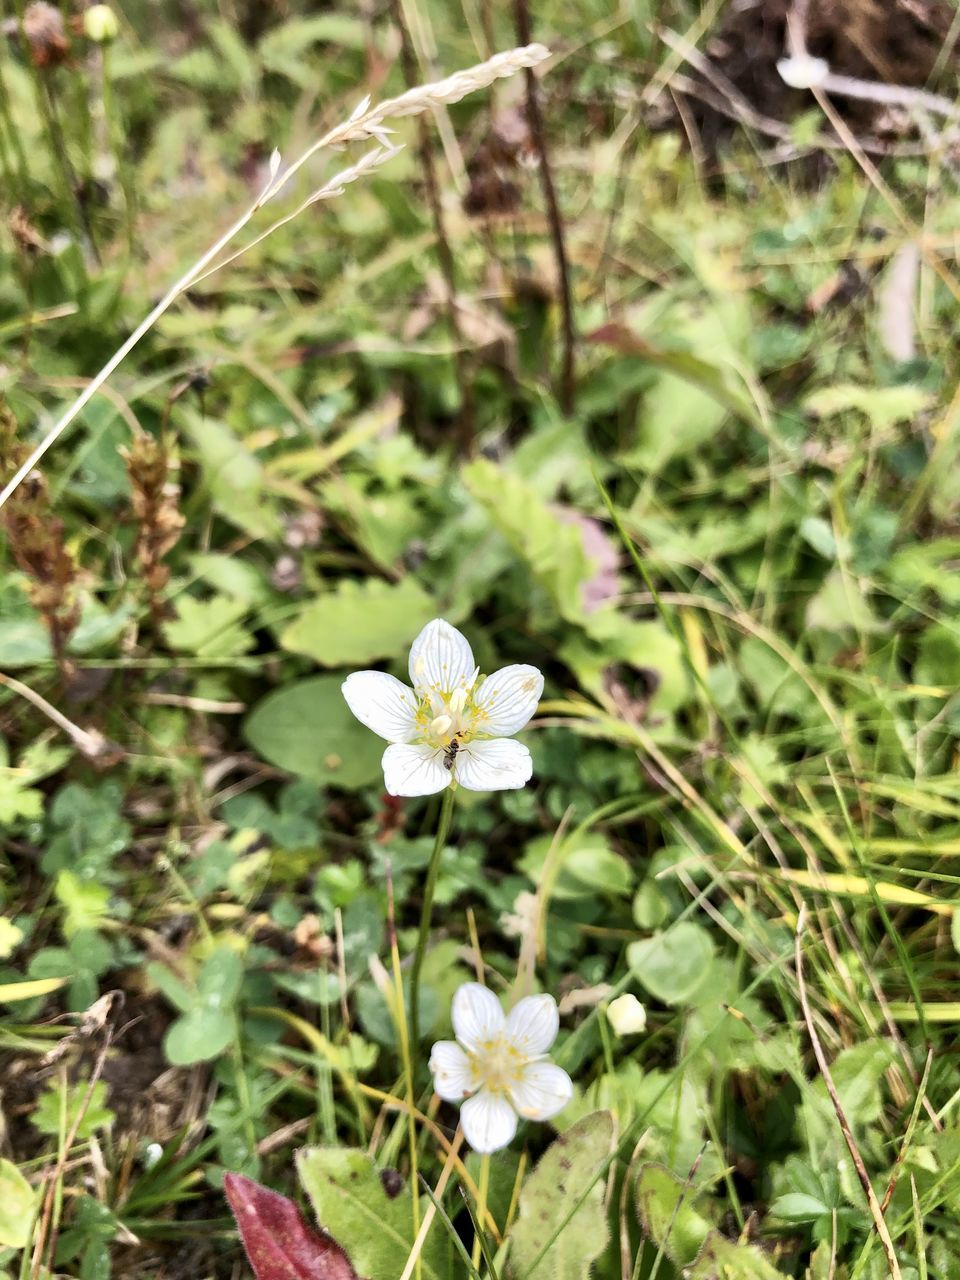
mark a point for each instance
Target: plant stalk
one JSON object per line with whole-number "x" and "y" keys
{"x": 433, "y": 871}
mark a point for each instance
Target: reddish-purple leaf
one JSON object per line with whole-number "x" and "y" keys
{"x": 279, "y": 1244}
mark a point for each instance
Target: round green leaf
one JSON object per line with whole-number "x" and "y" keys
{"x": 308, "y": 729}
{"x": 199, "y": 1035}
{"x": 674, "y": 964}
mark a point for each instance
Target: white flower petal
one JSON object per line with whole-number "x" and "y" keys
{"x": 508, "y": 699}
{"x": 500, "y": 764}
{"x": 544, "y": 1090}
{"x": 453, "y": 1076}
{"x": 382, "y": 703}
{"x": 489, "y": 1122}
{"x": 532, "y": 1025}
{"x": 440, "y": 658}
{"x": 414, "y": 770}
{"x": 476, "y": 1015}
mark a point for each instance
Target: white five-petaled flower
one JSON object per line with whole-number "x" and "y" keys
{"x": 498, "y": 1063}
{"x": 453, "y": 725}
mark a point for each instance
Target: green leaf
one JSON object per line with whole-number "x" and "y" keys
{"x": 220, "y": 978}
{"x": 375, "y": 1230}
{"x": 584, "y": 865}
{"x": 53, "y": 1105}
{"x": 360, "y": 622}
{"x": 209, "y": 628}
{"x": 882, "y": 406}
{"x": 544, "y": 1245}
{"x": 18, "y": 1203}
{"x": 23, "y": 641}
{"x": 11, "y": 936}
{"x": 723, "y": 1257}
{"x": 201, "y": 1034}
{"x": 234, "y": 475}
{"x": 308, "y": 729}
{"x": 84, "y": 902}
{"x": 674, "y": 964}
{"x": 552, "y": 548}
{"x": 795, "y": 1206}
{"x": 667, "y": 1211}
{"x": 648, "y": 647}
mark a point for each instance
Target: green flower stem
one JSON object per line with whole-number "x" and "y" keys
{"x": 433, "y": 871}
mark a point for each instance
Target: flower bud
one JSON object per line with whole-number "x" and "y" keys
{"x": 100, "y": 24}
{"x": 803, "y": 71}
{"x": 627, "y": 1015}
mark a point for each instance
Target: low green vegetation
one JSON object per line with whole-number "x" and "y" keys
{"x": 730, "y": 546}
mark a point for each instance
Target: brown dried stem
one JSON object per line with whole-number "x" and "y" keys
{"x": 462, "y": 363}
{"x": 554, "y": 217}
{"x": 154, "y": 502}
{"x": 36, "y": 541}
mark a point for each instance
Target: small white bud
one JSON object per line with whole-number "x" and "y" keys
{"x": 803, "y": 71}
{"x": 627, "y": 1015}
{"x": 458, "y": 700}
{"x": 440, "y": 726}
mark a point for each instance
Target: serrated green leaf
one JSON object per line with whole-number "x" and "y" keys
{"x": 233, "y": 474}
{"x": 552, "y": 548}
{"x": 360, "y": 622}
{"x": 882, "y": 406}
{"x": 721, "y": 1257}
{"x": 544, "y": 1245}
{"x": 376, "y": 1231}
{"x": 209, "y": 628}
{"x": 308, "y": 729}
{"x": 667, "y": 1209}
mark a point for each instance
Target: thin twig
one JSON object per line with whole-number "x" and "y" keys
{"x": 872, "y": 1201}
{"x": 90, "y": 742}
{"x": 521, "y": 11}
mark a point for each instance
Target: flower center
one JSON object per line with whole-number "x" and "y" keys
{"x": 443, "y": 716}
{"x": 497, "y": 1064}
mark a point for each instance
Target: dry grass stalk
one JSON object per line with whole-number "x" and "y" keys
{"x": 154, "y": 501}
{"x": 365, "y": 122}
{"x": 37, "y": 543}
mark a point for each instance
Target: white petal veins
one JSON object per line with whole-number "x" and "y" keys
{"x": 440, "y": 658}
{"x": 500, "y": 764}
{"x": 532, "y": 1025}
{"x": 453, "y": 1076}
{"x": 383, "y": 703}
{"x": 476, "y": 1015}
{"x": 508, "y": 699}
{"x": 489, "y": 1122}
{"x": 543, "y": 1090}
{"x": 414, "y": 770}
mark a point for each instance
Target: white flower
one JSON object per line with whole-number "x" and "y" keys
{"x": 627, "y": 1015}
{"x": 500, "y": 1062}
{"x": 453, "y": 725}
{"x": 803, "y": 71}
